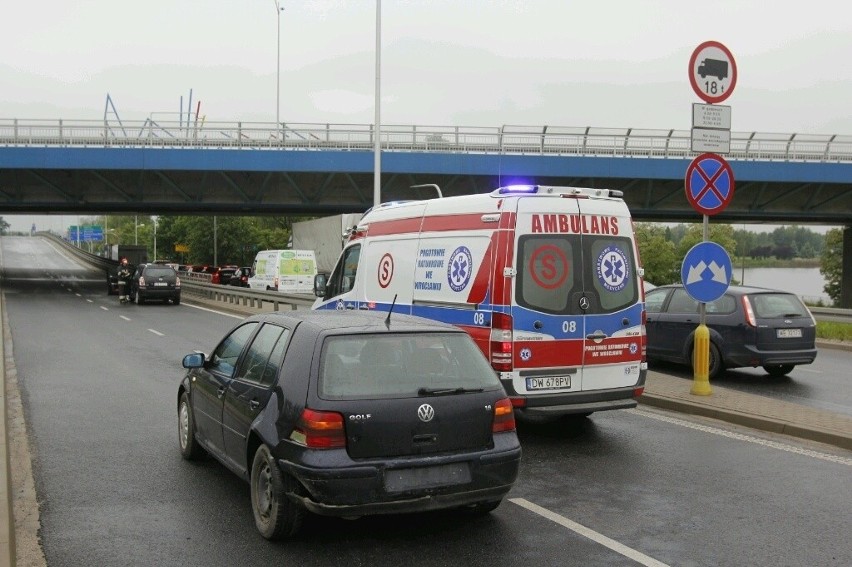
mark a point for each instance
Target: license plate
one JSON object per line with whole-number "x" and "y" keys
{"x": 789, "y": 333}
{"x": 397, "y": 480}
{"x": 161, "y": 283}
{"x": 549, "y": 383}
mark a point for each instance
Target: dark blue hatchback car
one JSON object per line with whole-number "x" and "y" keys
{"x": 749, "y": 326}
{"x": 349, "y": 414}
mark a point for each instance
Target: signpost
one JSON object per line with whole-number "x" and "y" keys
{"x": 709, "y": 183}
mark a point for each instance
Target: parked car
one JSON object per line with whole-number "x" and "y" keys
{"x": 222, "y": 274}
{"x": 749, "y": 326}
{"x": 153, "y": 281}
{"x": 240, "y": 277}
{"x": 350, "y": 414}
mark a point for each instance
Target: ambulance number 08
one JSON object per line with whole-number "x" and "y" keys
{"x": 569, "y": 327}
{"x": 479, "y": 318}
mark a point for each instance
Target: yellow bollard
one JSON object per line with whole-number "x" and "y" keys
{"x": 701, "y": 362}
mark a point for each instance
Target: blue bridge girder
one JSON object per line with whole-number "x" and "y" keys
{"x": 62, "y": 166}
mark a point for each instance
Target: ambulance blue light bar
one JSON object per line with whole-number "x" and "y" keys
{"x": 518, "y": 190}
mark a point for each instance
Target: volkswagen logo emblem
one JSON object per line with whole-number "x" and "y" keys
{"x": 425, "y": 413}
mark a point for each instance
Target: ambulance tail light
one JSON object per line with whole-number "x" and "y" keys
{"x": 501, "y": 342}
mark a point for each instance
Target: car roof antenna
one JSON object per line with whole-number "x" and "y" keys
{"x": 387, "y": 321}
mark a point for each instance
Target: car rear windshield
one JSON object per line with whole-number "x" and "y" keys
{"x": 769, "y": 305}
{"x": 159, "y": 272}
{"x": 394, "y": 365}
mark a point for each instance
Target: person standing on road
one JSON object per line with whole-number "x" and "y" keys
{"x": 124, "y": 273}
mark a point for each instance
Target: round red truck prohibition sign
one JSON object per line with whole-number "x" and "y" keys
{"x": 712, "y": 72}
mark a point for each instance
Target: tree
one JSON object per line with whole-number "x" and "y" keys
{"x": 4, "y": 226}
{"x": 831, "y": 263}
{"x": 656, "y": 253}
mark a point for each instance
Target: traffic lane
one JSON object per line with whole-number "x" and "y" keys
{"x": 38, "y": 257}
{"x": 687, "y": 490}
{"x": 113, "y": 485}
{"x": 611, "y": 474}
{"x": 151, "y": 507}
{"x": 824, "y": 384}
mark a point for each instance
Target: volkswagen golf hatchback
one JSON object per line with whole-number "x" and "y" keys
{"x": 749, "y": 326}
{"x": 350, "y": 413}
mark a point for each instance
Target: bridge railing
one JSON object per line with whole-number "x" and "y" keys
{"x": 506, "y": 139}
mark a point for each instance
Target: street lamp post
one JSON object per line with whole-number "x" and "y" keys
{"x": 155, "y": 238}
{"x": 278, "y": 10}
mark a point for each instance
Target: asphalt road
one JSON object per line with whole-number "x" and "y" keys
{"x": 99, "y": 384}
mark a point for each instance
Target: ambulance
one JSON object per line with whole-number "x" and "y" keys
{"x": 545, "y": 279}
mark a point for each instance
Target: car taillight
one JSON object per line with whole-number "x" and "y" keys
{"x": 177, "y": 282}
{"x": 501, "y": 342}
{"x": 749, "y": 312}
{"x": 504, "y": 417}
{"x": 141, "y": 281}
{"x": 319, "y": 430}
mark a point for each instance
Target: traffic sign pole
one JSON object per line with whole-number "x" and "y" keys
{"x": 709, "y": 188}
{"x": 701, "y": 343}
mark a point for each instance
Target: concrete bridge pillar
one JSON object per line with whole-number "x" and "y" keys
{"x": 846, "y": 276}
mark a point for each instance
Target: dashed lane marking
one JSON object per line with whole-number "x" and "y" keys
{"x": 125, "y": 317}
{"x": 601, "y": 539}
{"x": 158, "y": 333}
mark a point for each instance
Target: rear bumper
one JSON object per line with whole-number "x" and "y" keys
{"x": 583, "y": 402}
{"x": 353, "y": 489}
{"x": 751, "y": 356}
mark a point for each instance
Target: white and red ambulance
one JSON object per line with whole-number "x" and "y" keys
{"x": 545, "y": 279}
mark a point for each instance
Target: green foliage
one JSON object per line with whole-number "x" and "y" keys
{"x": 657, "y": 254}
{"x": 834, "y": 331}
{"x": 831, "y": 263}
{"x": 4, "y": 226}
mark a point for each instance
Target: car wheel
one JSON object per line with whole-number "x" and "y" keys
{"x": 275, "y": 515}
{"x": 137, "y": 298}
{"x": 483, "y": 508}
{"x": 778, "y": 370}
{"x": 176, "y": 300}
{"x": 189, "y": 447}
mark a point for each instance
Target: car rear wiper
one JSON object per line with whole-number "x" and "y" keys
{"x": 446, "y": 391}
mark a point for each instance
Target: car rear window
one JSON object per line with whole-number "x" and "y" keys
{"x": 769, "y": 305}
{"x": 159, "y": 272}
{"x": 374, "y": 366}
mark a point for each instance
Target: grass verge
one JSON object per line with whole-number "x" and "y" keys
{"x": 834, "y": 331}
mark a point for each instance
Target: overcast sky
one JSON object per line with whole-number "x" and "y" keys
{"x": 602, "y": 63}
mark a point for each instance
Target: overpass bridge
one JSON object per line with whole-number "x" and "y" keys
{"x": 146, "y": 167}
{"x": 88, "y": 167}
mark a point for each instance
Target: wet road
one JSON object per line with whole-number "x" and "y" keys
{"x": 99, "y": 384}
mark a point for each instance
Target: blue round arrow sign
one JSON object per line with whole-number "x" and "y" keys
{"x": 709, "y": 184}
{"x": 706, "y": 271}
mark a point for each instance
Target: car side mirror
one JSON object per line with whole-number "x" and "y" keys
{"x": 194, "y": 360}
{"x": 320, "y": 282}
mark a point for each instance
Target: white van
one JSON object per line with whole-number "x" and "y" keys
{"x": 545, "y": 279}
{"x": 287, "y": 271}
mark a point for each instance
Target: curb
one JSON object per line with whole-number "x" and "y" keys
{"x": 752, "y": 421}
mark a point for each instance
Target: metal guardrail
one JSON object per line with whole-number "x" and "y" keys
{"x": 247, "y": 297}
{"x": 506, "y": 139}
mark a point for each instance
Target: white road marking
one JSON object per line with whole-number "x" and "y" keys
{"x": 800, "y": 369}
{"x": 746, "y": 438}
{"x": 158, "y": 333}
{"x": 90, "y": 301}
{"x": 125, "y": 318}
{"x": 104, "y": 308}
{"x": 601, "y": 539}
{"x": 78, "y": 295}
{"x": 214, "y": 311}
